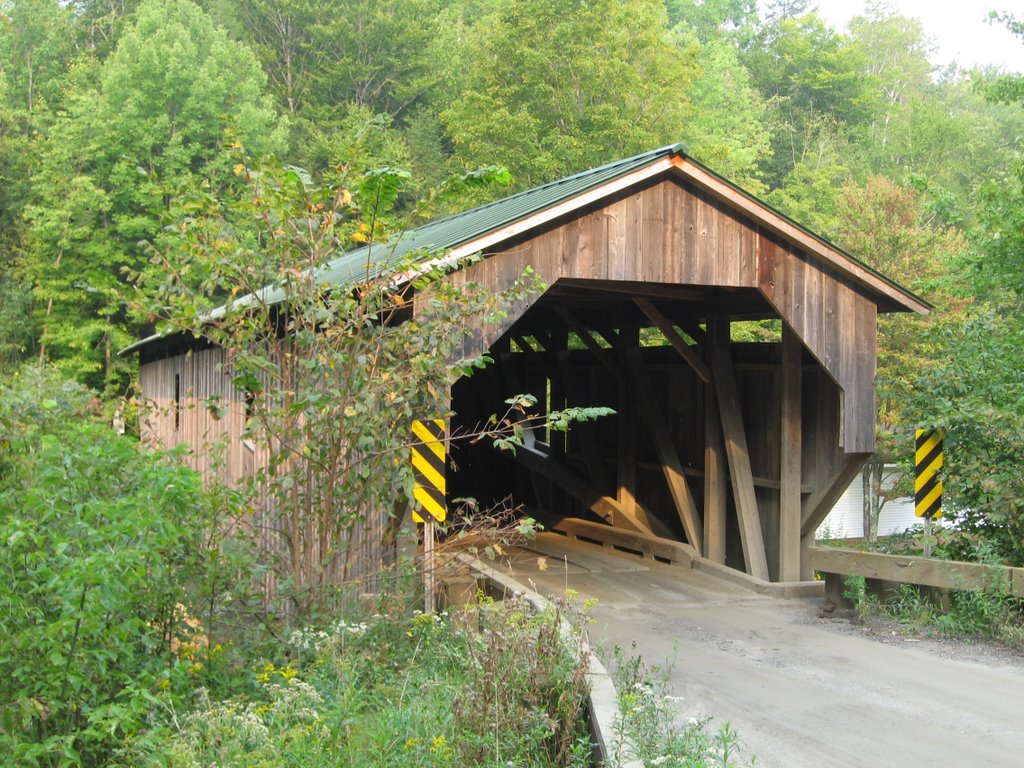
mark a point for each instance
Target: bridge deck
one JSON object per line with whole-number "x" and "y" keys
{"x": 799, "y": 691}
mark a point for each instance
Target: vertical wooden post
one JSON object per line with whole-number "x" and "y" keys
{"x": 557, "y": 499}
{"x": 738, "y": 455}
{"x": 714, "y": 464}
{"x": 428, "y": 565}
{"x": 626, "y": 451}
{"x": 791, "y": 452}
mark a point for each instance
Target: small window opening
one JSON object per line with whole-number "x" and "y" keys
{"x": 250, "y": 402}
{"x": 177, "y": 401}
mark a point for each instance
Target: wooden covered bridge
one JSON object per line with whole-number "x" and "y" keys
{"x": 734, "y": 437}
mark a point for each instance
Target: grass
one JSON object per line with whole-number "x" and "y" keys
{"x": 394, "y": 689}
{"x": 991, "y": 614}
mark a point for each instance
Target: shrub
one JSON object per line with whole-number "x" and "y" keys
{"x": 100, "y": 542}
{"x": 648, "y": 728}
{"x": 397, "y": 689}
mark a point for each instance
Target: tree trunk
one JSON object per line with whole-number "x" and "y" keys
{"x": 873, "y": 501}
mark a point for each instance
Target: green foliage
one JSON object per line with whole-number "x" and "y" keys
{"x": 975, "y": 395}
{"x": 989, "y": 613}
{"x": 1008, "y": 88}
{"x": 399, "y": 690}
{"x": 648, "y": 727}
{"x": 152, "y": 117}
{"x": 334, "y": 377}
{"x": 102, "y": 545}
{"x": 549, "y": 88}
{"x": 727, "y": 129}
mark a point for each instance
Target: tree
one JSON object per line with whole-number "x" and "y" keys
{"x": 104, "y": 546}
{"x": 727, "y": 130}
{"x": 546, "y": 88}
{"x": 154, "y": 117}
{"x": 812, "y": 79}
{"x": 889, "y": 227}
{"x": 712, "y": 19}
{"x": 898, "y": 71}
{"x": 36, "y": 48}
{"x": 333, "y": 375}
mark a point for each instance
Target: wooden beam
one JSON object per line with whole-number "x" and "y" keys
{"x": 691, "y": 329}
{"x": 605, "y": 507}
{"x": 671, "y": 466}
{"x": 908, "y": 569}
{"x": 625, "y": 465}
{"x": 816, "y": 507}
{"x": 715, "y": 480}
{"x": 790, "y": 518}
{"x": 602, "y": 354}
{"x": 678, "y": 342}
{"x": 751, "y": 534}
{"x": 664, "y": 549}
{"x": 631, "y": 289}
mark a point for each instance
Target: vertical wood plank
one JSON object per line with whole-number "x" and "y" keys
{"x": 653, "y": 235}
{"x": 690, "y": 254}
{"x": 715, "y": 501}
{"x": 791, "y": 452}
{"x": 751, "y": 535}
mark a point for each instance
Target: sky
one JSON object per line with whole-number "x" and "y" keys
{"x": 960, "y": 28}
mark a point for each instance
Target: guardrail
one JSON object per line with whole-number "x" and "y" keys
{"x": 885, "y": 574}
{"x": 678, "y": 554}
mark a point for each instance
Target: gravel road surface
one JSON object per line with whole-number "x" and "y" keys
{"x": 802, "y": 692}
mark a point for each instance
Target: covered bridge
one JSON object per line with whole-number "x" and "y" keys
{"x": 652, "y": 265}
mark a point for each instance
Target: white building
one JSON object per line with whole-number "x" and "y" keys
{"x": 846, "y": 520}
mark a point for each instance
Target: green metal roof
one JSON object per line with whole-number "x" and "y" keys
{"x": 443, "y": 234}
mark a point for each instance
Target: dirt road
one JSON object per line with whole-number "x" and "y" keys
{"x": 801, "y": 693}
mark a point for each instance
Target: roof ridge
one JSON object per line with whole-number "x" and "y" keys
{"x": 668, "y": 149}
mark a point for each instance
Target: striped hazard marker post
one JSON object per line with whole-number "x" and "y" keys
{"x": 429, "y": 448}
{"x": 928, "y": 460}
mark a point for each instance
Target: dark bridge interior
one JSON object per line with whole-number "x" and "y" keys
{"x": 598, "y": 344}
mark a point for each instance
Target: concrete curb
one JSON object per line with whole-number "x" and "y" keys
{"x": 602, "y": 701}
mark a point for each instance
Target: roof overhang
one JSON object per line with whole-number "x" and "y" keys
{"x": 550, "y": 207}
{"x": 689, "y": 170}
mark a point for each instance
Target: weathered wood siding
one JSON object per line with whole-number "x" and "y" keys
{"x": 672, "y": 233}
{"x": 189, "y": 399}
{"x": 199, "y": 380}
{"x": 836, "y": 322}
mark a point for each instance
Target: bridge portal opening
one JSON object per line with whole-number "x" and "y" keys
{"x": 659, "y": 464}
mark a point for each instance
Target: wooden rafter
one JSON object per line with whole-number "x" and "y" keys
{"x": 602, "y": 354}
{"x": 605, "y": 507}
{"x": 678, "y": 342}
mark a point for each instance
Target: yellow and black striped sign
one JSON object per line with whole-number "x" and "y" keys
{"x": 428, "y": 459}
{"x": 927, "y": 462}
